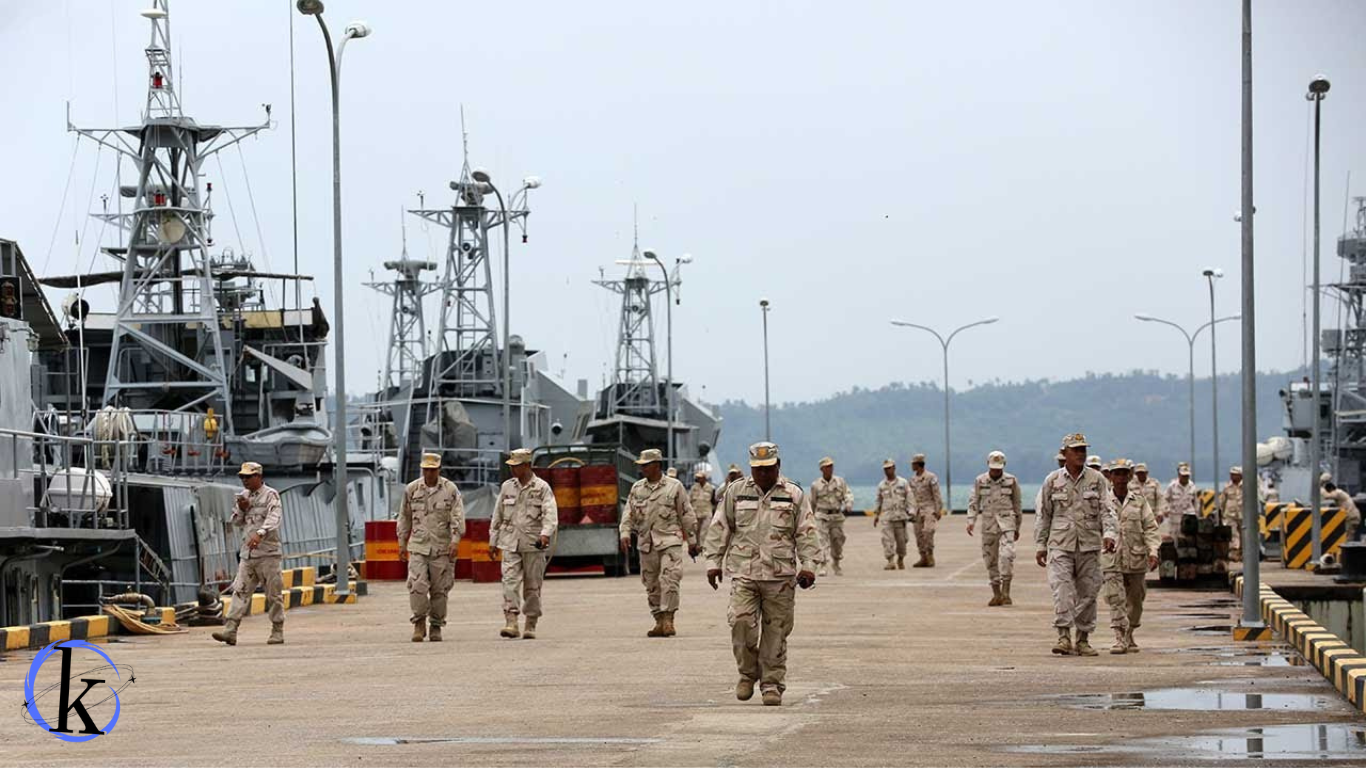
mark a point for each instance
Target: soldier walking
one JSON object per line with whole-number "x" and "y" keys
{"x": 928, "y": 507}
{"x": 1230, "y": 507}
{"x": 893, "y": 511}
{"x": 733, "y": 473}
{"x": 659, "y": 513}
{"x": 765, "y": 534}
{"x": 259, "y": 512}
{"x": 831, "y": 499}
{"x": 1343, "y": 501}
{"x": 430, "y": 526}
{"x": 1183, "y": 500}
{"x": 701, "y": 496}
{"x": 1151, "y": 491}
{"x": 524, "y": 521}
{"x": 996, "y": 499}
{"x": 1135, "y": 555}
{"x": 1074, "y": 516}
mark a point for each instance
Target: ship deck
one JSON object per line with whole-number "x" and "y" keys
{"x": 885, "y": 668}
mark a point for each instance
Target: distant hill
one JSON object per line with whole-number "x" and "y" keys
{"x": 1139, "y": 415}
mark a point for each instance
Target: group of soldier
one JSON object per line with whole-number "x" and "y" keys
{"x": 1098, "y": 526}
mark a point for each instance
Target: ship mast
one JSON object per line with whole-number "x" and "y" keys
{"x": 168, "y": 346}
{"x": 407, "y": 326}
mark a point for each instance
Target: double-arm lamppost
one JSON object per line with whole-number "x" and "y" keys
{"x": 944, "y": 343}
{"x": 355, "y": 29}
{"x": 669, "y": 282}
{"x": 1190, "y": 377}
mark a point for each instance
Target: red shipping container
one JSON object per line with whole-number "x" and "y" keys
{"x": 564, "y": 481}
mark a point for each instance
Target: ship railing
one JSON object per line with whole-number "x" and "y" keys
{"x": 175, "y": 444}
{"x": 68, "y": 492}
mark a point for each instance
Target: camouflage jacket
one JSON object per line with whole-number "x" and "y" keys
{"x": 432, "y": 518}
{"x": 1075, "y": 514}
{"x": 894, "y": 500}
{"x": 831, "y": 498}
{"x": 1138, "y": 535}
{"x": 925, "y": 491}
{"x": 265, "y": 513}
{"x": 763, "y": 536}
{"x": 523, "y": 514}
{"x": 997, "y": 502}
{"x": 660, "y": 514}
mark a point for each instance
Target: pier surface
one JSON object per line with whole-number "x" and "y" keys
{"x": 885, "y": 668}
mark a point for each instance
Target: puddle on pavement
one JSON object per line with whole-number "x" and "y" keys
{"x": 1335, "y": 741}
{"x": 389, "y": 741}
{"x": 1261, "y": 660}
{"x": 1215, "y": 616}
{"x": 1203, "y": 699}
{"x": 1210, "y": 629}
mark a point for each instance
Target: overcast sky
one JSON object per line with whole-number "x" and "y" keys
{"x": 1060, "y": 164}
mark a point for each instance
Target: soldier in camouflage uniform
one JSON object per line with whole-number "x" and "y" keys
{"x": 259, "y": 512}
{"x": 1150, "y": 489}
{"x": 996, "y": 499}
{"x": 831, "y": 499}
{"x": 732, "y": 474}
{"x": 659, "y": 513}
{"x": 1135, "y": 555}
{"x": 765, "y": 534}
{"x": 1343, "y": 501}
{"x": 893, "y": 512}
{"x": 927, "y": 508}
{"x": 525, "y": 519}
{"x": 430, "y": 526}
{"x": 1229, "y": 505}
{"x": 702, "y": 497}
{"x": 1183, "y": 499}
{"x": 1074, "y": 516}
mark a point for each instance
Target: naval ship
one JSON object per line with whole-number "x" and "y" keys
{"x": 122, "y": 425}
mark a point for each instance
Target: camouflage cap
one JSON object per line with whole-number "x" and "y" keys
{"x": 1075, "y": 440}
{"x": 735, "y": 470}
{"x": 673, "y": 472}
{"x": 763, "y": 454}
{"x": 1121, "y": 465}
{"x": 1060, "y": 457}
{"x": 889, "y": 463}
{"x": 1183, "y": 469}
{"x": 431, "y": 461}
{"x": 1235, "y": 470}
{"x": 249, "y": 468}
{"x": 1093, "y": 461}
{"x": 650, "y": 456}
{"x": 519, "y": 457}
{"x": 919, "y": 458}
{"x": 996, "y": 460}
{"x": 827, "y": 462}
{"x": 1140, "y": 467}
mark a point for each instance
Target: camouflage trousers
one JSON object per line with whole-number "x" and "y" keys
{"x": 893, "y": 538}
{"x": 523, "y": 573}
{"x": 429, "y": 581}
{"x": 1235, "y": 543}
{"x": 830, "y": 527}
{"x": 661, "y": 569}
{"x": 1075, "y": 579}
{"x": 1124, "y": 592}
{"x": 998, "y": 552}
{"x": 253, "y": 572}
{"x": 925, "y": 523}
{"x": 761, "y": 617}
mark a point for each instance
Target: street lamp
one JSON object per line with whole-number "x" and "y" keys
{"x": 1318, "y": 89}
{"x": 944, "y": 343}
{"x": 1211, "y": 275}
{"x": 768, "y": 428}
{"x": 353, "y": 30}
{"x": 670, "y": 300}
{"x": 1190, "y": 378}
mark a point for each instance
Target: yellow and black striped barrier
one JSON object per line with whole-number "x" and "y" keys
{"x": 1297, "y": 535}
{"x": 294, "y": 597}
{"x": 40, "y": 635}
{"x": 1206, "y": 503}
{"x": 1271, "y": 521}
{"x": 1337, "y": 661}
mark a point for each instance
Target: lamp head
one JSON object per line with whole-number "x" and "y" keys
{"x": 479, "y": 174}
{"x": 309, "y": 7}
{"x": 685, "y": 258}
{"x": 153, "y": 14}
{"x": 650, "y": 254}
{"x": 990, "y": 320}
{"x": 532, "y": 182}
{"x": 1144, "y": 317}
{"x": 358, "y": 29}
{"x": 763, "y": 303}
{"x": 1318, "y": 86}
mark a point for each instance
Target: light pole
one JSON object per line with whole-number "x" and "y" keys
{"x": 768, "y": 428}
{"x": 944, "y": 343}
{"x": 1190, "y": 377}
{"x": 669, "y": 339}
{"x": 1318, "y": 89}
{"x": 1211, "y": 275}
{"x": 1252, "y": 565}
{"x": 482, "y": 176}
{"x": 355, "y": 29}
